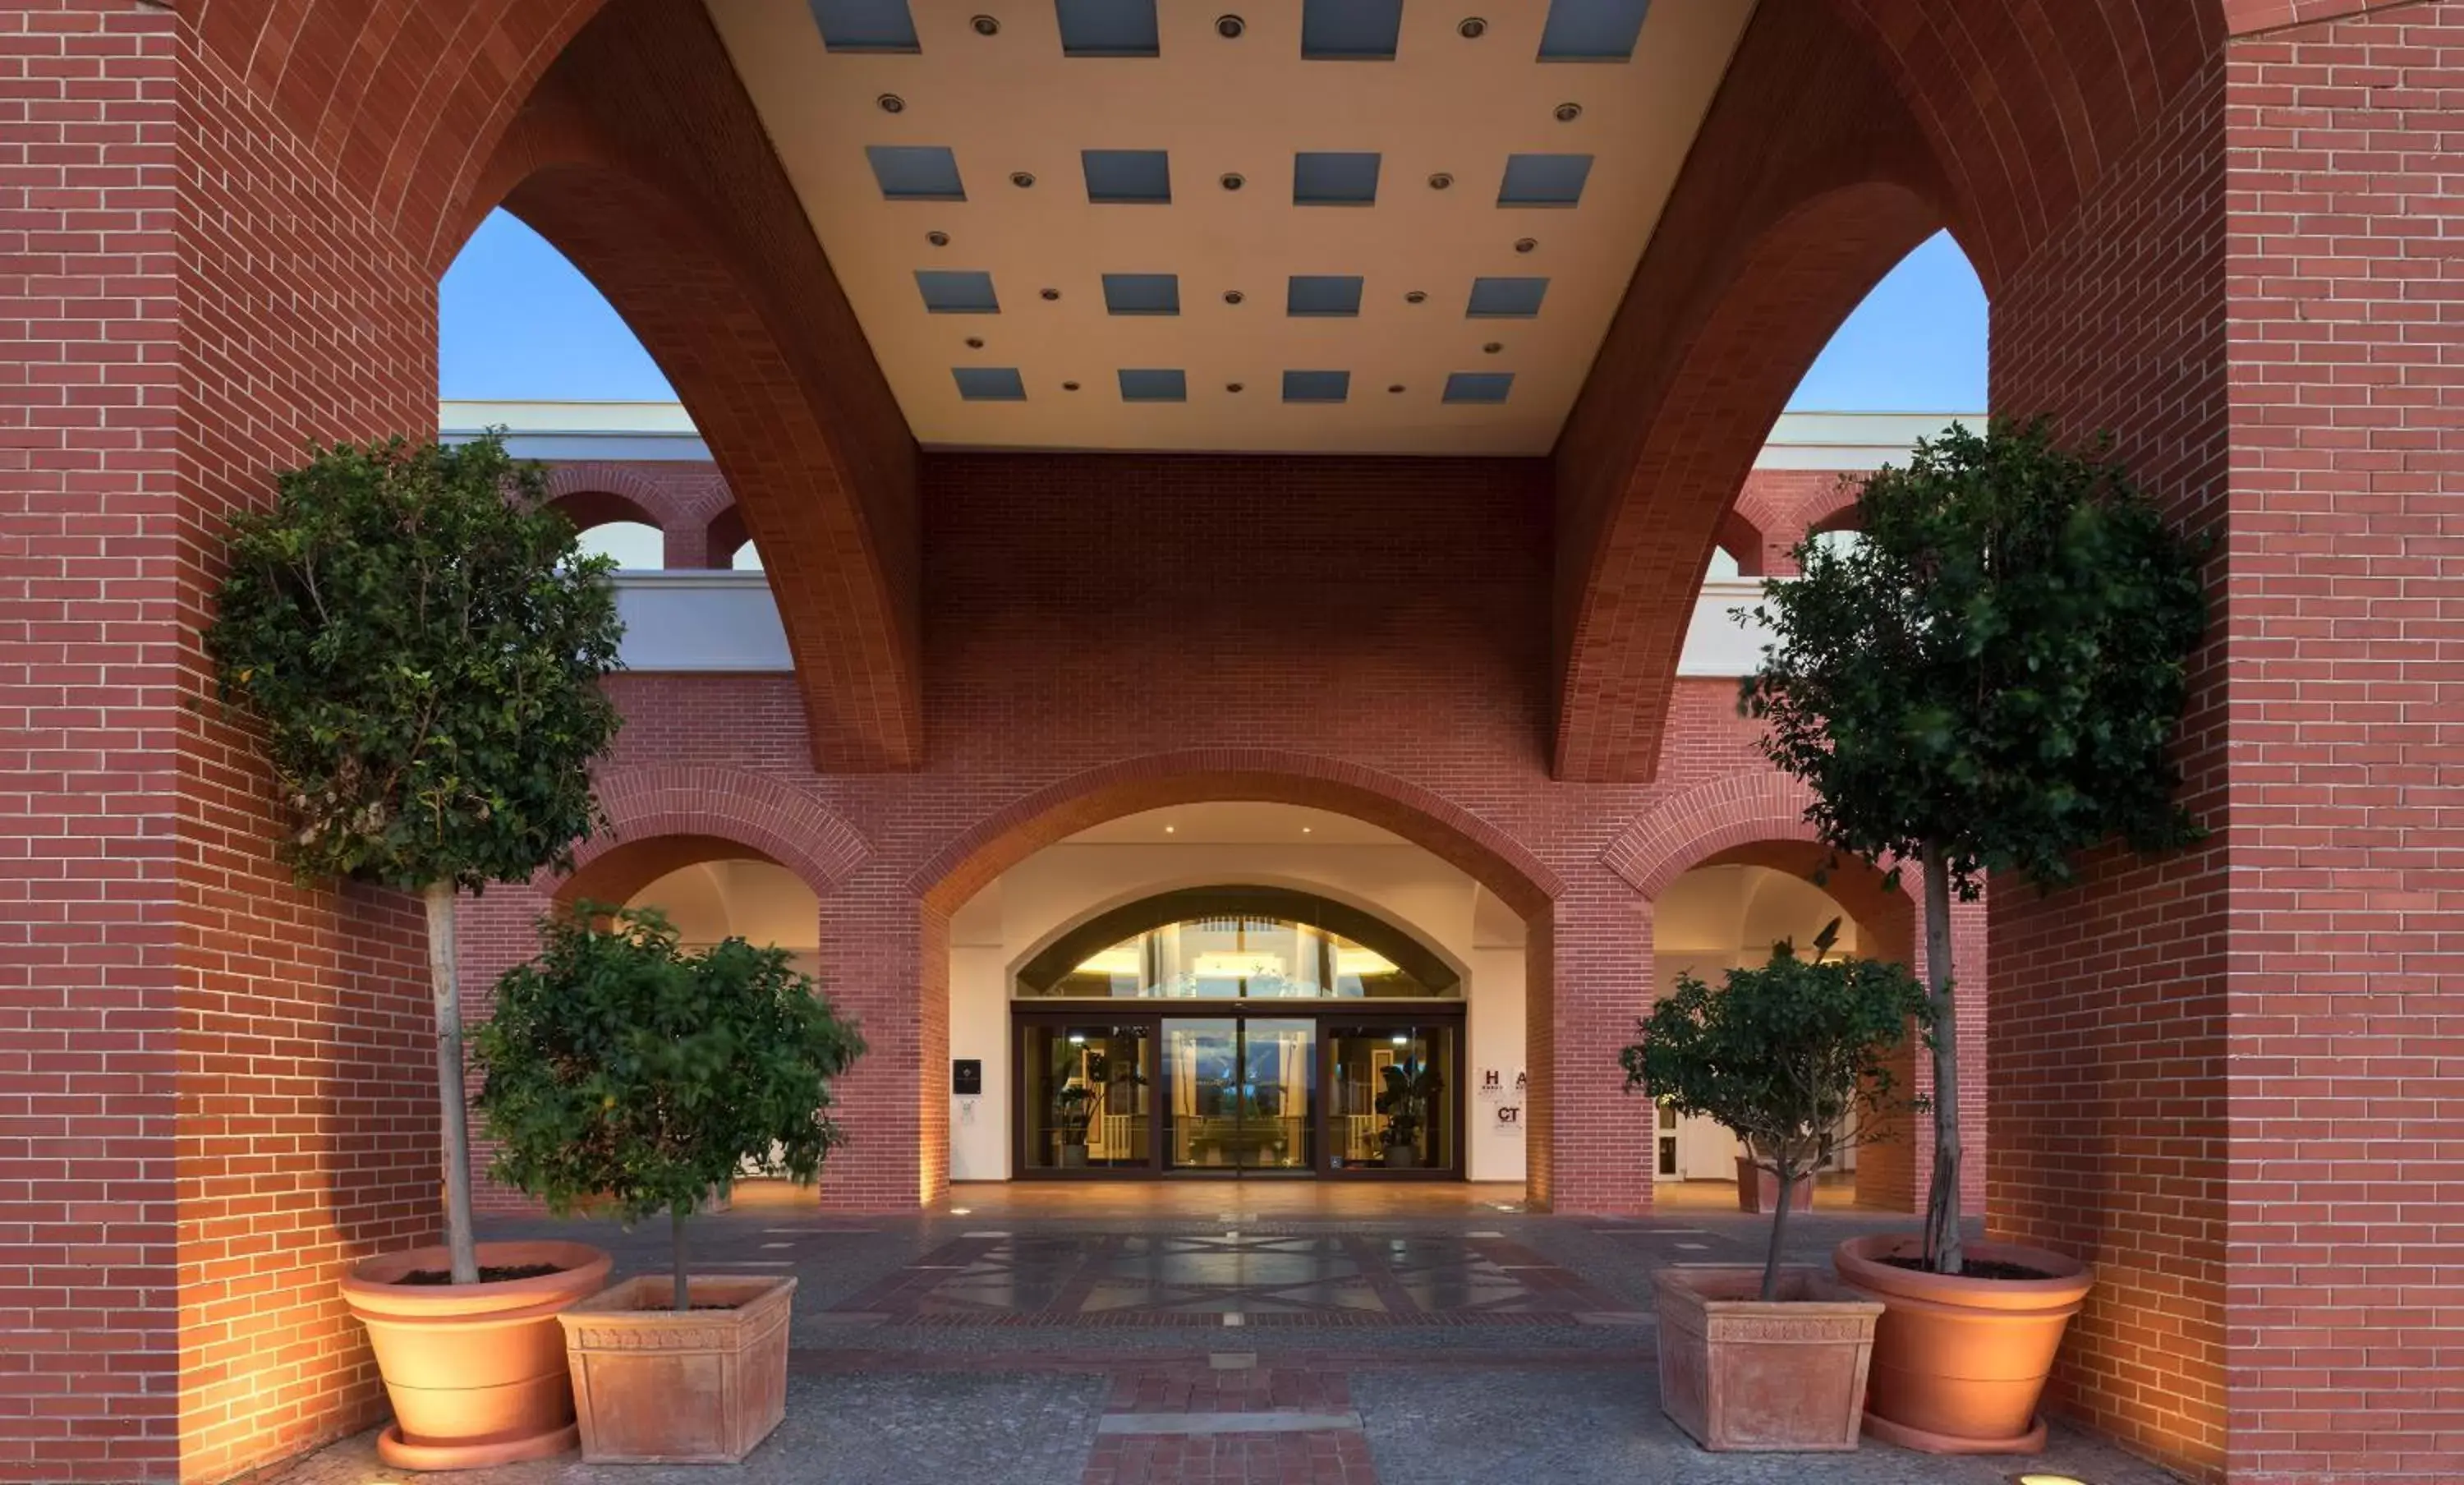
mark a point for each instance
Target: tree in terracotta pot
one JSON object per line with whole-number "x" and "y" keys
{"x": 1987, "y": 682}
{"x": 1793, "y": 1058}
{"x": 632, "y": 1078}
{"x": 419, "y": 643}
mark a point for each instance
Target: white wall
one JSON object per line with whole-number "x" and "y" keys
{"x": 1064, "y": 884}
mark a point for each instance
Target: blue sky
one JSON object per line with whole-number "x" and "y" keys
{"x": 517, "y": 322}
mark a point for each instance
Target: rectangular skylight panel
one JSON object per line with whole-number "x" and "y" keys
{"x": 1544, "y": 180}
{"x": 990, "y": 384}
{"x": 1153, "y": 384}
{"x": 1479, "y": 385}
{"x": 1128, "y": 175}
{"x": 1506, "y": 299}
{"x": 1107, "y": 28}
{"x": 1350, "y": 31}
{"x": 1592, "y": 31}
{"x": 1322, "y": 293}
{"x": 917, "y": 172}
{"x": 866, "y": 25}
{"x": 1142, "y": 294}
{"x": 1316, "y": 385}
{"x": 1334, "y": 178}
{"x": 948, "y": 292}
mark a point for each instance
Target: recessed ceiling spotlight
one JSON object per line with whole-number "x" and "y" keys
{"x": 1052, "y": 294}
{"x": 986, "y": 25}
{"x": 1471, "y": 28}
{"x": 1306, "y": 829}
{"x": 975, "y": 342}
{"x": 1417, "y": 296}
{"x": 1441, "y": 181}
{"x": 1021, "y": 179}
{"x": 1231, "y": 387}
{"x": 891, "y": 103}
{"x": 1568, "y": 113}
{"x": 1493, "y": 347}
{"x": 1527, "y": 244}
{"x": 1395, "y": 387}
{"x": 1068, "y": 386}
{"x": 938, "y": 239}
{"x": 1230, "y": 27}
{"x": 1233, "y": 296}
{"x": 1169, "y": 828}
{"x": 1232, "y": 180}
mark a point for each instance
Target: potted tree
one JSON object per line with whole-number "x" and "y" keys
{"x": 1404, "y": 1101}
{"x": 1791, "y": 1058}
{"x": 629, "y": 1075}
{"x": 1073, "y": 1110}
{"x": 1987, "y": 682}
{"x": 415, "y": 636}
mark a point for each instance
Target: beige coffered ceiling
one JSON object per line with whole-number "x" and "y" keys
{"x": 1013, "y": 102}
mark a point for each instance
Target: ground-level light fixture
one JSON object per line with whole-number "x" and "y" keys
{"x": 2040, "y": 1477}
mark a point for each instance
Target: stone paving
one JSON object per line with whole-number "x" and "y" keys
{"x": 1445, "y": 1341}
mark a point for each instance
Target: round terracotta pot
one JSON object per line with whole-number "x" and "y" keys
{"x": 476, "y": 1373}
{"x": 1959, "y": 1363}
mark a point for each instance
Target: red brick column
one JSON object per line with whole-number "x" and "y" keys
{"x": 884, "y": 960}
{"x": 1588, "y": 976}
{"x": 2343, "y": 951}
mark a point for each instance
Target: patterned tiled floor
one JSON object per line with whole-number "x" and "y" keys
{"x": 1231, "y": 1279}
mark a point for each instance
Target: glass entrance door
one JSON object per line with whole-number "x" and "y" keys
{"x": 1393, "y": 1096}
{"x": 1087, "y": 1103}
{"x": 1241, "y": 1094}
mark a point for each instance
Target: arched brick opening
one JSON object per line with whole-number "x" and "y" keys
{"x": 725, "y": 536}
{"x": 1483, "y": 852}
{"x": 1759, "y": 819}
{"x": 1741, "y": 537}
{"x": 661, "y": 819}
{"x": 640, "y": 158}
{"x": 587, "y": 509}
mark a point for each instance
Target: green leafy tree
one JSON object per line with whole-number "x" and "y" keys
{"x": 1783, "y": 1056}
{"x": 626, "y": 1072}
{"x": 421, "y": 643}
{"x": 1988, "y": 680}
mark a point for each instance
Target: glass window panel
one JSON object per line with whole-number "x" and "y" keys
{"x": 1088, "y": 1097}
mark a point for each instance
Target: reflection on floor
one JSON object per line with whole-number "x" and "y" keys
{"x": 1231, "y": 1278}
{"x": 1247, "y": 1200}
{"x": 1835, "y": 1191}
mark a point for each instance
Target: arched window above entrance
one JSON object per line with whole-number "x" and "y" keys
{"x": 1237, "y": 943}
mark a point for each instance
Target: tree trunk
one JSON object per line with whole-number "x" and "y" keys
{"x": 1787, "y": 1174}
{"x": 682, "y": 1300}
{"x": 450, "y": 1106}
{"x": 1941, "y": 1204}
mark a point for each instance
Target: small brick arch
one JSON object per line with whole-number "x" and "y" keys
{"x": 1755, "y": 818}
{"x": 663, "y": 818}
{"x": 725, "y": 536}
{"x": 1011, "y": 834}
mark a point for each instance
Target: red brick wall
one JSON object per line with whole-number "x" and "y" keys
{"x": 2107, "y": 1026}
{"x": 89, "y": 940}
{"x": 1112, "y": 633}
{"x": 2344, "y": 959}
{"x": 307, "y": 1130}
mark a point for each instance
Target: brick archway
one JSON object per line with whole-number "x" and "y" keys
{"x": 1447, "y": 831}
{"x": 660, "y": 819}
{"x": 640, "y": 158}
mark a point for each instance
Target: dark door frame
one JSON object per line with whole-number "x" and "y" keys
{"x": 1152, "y": 1016}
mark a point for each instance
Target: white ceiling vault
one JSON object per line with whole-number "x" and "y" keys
{"x": 985, "y": 300}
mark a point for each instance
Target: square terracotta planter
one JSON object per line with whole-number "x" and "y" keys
{"x": 1737, "y": 1373}
{"x": 654, "y": 1386}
